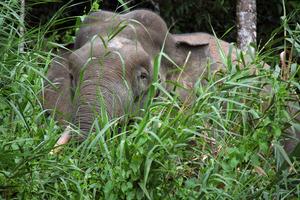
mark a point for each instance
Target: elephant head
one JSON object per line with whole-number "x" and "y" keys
{"x": 116, "y": 76}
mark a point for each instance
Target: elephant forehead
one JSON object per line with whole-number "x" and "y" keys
{"x": 115, "y": 44}
{"x": 118, "y": 43}
{"x": 130, "y": 50}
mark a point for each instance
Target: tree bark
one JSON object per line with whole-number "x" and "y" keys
{"x": 246, "y": 23}
{"x": 22, "y": 25}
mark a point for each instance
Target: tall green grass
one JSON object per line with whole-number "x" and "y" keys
{"x": 224, "y": 146}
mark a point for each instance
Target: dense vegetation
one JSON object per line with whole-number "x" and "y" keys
{"x": 226, "y": 145}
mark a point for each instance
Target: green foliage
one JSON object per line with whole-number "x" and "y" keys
{"x": 226, "y": 145}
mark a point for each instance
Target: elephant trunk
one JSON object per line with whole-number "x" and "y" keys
{"x": 92, "y": 97}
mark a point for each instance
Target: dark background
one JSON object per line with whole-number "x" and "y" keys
{"x": 182, "y": 15}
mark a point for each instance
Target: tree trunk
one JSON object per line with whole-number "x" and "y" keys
{"x": 22, "y": 25}
{"x": 246, "y": 23}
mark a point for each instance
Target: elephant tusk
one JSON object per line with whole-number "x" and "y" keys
{"x": 64, "y": 139}
{"x": 284, "y": 67}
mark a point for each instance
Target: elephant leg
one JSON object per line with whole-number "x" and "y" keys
{"x": 57, "y": 96}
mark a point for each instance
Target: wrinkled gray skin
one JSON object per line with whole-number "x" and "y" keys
{"x": 120, "y": 67}
{"x": 57, "y": 91}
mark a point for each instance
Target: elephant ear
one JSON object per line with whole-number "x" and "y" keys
{"x": 200, "y": 47}
{"x": 205, "y": 46}
{"x": 57, "y": 96}
{"x": 193, "y": 43}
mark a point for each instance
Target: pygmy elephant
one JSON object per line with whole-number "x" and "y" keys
{"x": 111, "y": 66}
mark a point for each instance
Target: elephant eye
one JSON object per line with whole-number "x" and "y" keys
{"x": 144, "y": 76}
